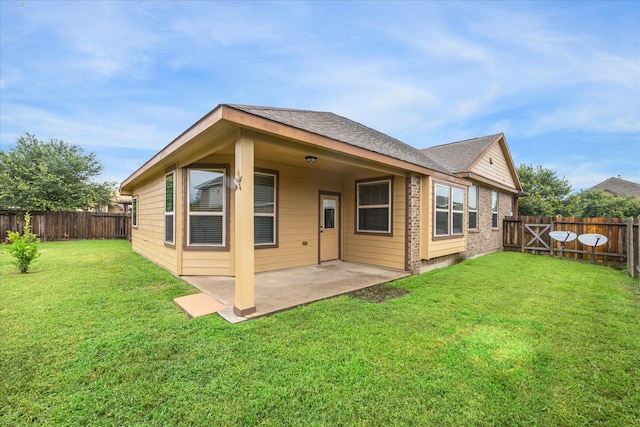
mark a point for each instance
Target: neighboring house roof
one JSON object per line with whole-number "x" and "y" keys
{"x": 344, "y": 130}
{"x": 210, "y": 183}
{"x": 125, "y": 200}
{"x": 463, "y": 159}
{"x": 618, "y": 187}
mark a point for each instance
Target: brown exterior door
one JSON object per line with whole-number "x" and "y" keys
{"x": 329, "y": 227}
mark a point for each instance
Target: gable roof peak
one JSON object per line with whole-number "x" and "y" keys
{"x": 342, "y": 129}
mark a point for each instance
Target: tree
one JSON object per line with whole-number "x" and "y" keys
{"x": 50, "y": 175}
{"x": 597, "y": 204}
{"x": 548, "y": 194}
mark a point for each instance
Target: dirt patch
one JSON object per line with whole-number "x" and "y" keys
{"x": 379, "y": 293}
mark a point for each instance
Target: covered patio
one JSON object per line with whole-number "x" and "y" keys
{"x": 283, "y": 289}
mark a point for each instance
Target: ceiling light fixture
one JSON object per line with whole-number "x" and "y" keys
{"x": 311, "y": 159}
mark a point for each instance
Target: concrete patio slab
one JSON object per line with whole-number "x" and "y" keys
{"x": 197, "y": 305}
{"x": 282, "y": 289}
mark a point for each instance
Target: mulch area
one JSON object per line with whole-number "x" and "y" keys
{"x": 379, "y": 293}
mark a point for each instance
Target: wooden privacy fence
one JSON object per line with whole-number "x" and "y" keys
{"x": 531, "y": 234}
{"x": 50, "y": 226}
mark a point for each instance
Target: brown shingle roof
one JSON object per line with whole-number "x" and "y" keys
{"x": 344, "y": 130}
{"x": 458, "y": 156}
{"x": 618, "y": 187}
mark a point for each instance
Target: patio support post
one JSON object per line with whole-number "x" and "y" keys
{"x": 243, "y": 177}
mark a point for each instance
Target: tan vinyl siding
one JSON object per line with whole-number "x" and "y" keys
{"x": 297, "y": 217}
{"x": 493, "y": 165}
{"x": 148, "y": 237}
{"x": 205, "y": 263}
{"x": 386, "y": 251}
{"x": 430, "y": 247}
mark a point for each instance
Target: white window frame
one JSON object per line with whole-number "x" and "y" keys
{"x": 359, "y": 184}
{"x": 172, "y": 212}
{"x": 459, "y": 212}
{"x": 274, "y": 214}
{"x": 495, "y": 208}
{"x": 450, "y": 211}
{"x": 222, "y": 214}
{"x": 135, "y": 207}
{"x": 472, "y": 190}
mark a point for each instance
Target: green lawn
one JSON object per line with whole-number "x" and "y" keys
{"x": 91, "y": 337}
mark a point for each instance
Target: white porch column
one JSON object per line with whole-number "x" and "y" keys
{"x": 243, "y": 234}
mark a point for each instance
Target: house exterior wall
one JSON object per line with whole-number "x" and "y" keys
{"x": 201, "y": 262}
{"x": 147, "y": 238}
{"x": 297, "y": 195}
{"x": 493, "y": 165}
{"x": 487, "y": 239}
{"x": 434, "y": 248}
{"x": 382, "y": 250}
{"x": 298, "y": 210}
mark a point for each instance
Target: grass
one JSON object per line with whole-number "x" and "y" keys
{"x": 91, "y": 337}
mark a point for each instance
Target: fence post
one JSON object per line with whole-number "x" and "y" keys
{"x": 630, "y": 255}
{"x": 636, "y": 267}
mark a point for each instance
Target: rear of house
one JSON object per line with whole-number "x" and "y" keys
{"x": 250, "y": 189}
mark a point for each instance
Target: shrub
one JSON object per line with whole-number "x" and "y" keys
{"x": 24, "y": 248}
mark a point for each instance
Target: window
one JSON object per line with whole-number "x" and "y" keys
{"x": 206, "y": 207}
{"x": 328, "y": 214}
{"x": 442, "y": 210}
{"x": 134, "y": 211}
{"x": 169, "y": 208}
{"x": 457, "y": 210}
{"x": 264, "y": 219}
{"x": 374, "y": 206}
{"x": 494, "y": 209}
{"x": 473, "y": 207}
{"x": 449, "y": 211}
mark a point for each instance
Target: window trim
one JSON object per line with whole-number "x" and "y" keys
{"x": 171, "y": 213}
{"x": 470, "y": 210}
{"x": 450, "y": 234}
{"x": 225, "y": 210}
{"x": 135, "y": 209}
{"x": 497, "y": 210}
{"x": 276, "y": 213}
{"x": 389, "y": 180}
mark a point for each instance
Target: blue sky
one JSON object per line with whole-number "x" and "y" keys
{"x": 123, "y": 79}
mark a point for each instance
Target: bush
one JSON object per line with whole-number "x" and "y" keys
{"x": 24, "y": 248}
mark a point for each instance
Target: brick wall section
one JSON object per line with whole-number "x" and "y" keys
{"x": 413, "y": 224}
{"x": 487, "y": 239}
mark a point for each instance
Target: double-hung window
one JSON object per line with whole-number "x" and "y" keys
{"x": 206, "y": 211}
{"x": 264, "y": 208}
{"x": 169, "y": 208}
{"x": 494, "y": 209}
{"x": 473, "y": 207}
{"x": 449, "y": 211}
{"x": 374, "y": 206}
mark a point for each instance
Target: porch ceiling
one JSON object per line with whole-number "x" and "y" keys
{"x": 283, "y": 289}
{"x": 293, "y": 153}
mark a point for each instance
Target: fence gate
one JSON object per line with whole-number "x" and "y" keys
{"x": 537, "y": 231}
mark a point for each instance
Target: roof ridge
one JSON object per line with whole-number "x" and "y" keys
{"x": 464, "y": 140}
{"x": 265, "y": 107}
